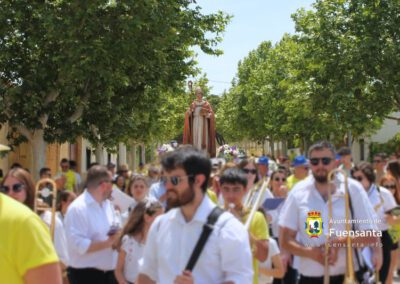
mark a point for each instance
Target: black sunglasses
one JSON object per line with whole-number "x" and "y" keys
{"x": 250, "y": 171}
{"x": 279, "y": 179}
{"x": 16, "y": 188}
{"x": 390, "y": 186}
{"x": 377, "y": 161}
{"x": 325, "y": 161}
{"x": 175, "y": 180}
{"x": 359, "y": 178}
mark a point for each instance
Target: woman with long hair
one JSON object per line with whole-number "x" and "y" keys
{"x": 133, "y": 238}
{"x": 389, "y": 182}
{"x": 18, "y": 184}
{"x": 250, "y": 169}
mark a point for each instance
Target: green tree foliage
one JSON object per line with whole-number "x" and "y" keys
{"x": 339, "y": 73}
{"x": 70, "y": 68}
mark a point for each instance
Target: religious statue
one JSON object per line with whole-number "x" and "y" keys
{"x": 199, "y": 128}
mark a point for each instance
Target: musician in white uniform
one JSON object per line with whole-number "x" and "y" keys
{"x": 305, "y": 214}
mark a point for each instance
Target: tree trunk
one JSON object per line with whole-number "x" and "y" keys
{"x": 134, "y": 148}
{"x": 143, "y": 152}
{"x": 272, "y": 145}
{"x": 99, "y": 152}
{"x": 121, "y": 153}
{"x": 38, "y": 152}
{"x": 284, "y": 147}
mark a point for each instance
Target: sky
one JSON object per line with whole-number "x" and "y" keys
{"x": 253, "y": 22}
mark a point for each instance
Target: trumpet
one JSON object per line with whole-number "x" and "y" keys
{"x": 349, "y": 276}
{"x": 253, "y": 198}
{"x": 46, "y": 192}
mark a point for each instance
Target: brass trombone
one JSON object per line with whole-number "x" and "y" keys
{"x": 45, "y": 192}
{"x": 253, "y": 198}
{"x": 349, "y": 276}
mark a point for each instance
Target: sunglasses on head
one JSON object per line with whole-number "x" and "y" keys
{"x": 325, "y": 161}
{"x": 279, "y": 179}
{"x": 175, "y": 180}
{"x": 16, "y": 188}
{"x": 359, "y": 178}
{"x": 390, "y": 186}
{"x": 250, "y": 171}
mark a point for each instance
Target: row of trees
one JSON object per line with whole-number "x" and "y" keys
{"x": 338, "y": 73}
{"x": 105, "y": 70}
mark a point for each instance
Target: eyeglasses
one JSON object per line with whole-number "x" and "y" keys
{"x": 16, "y": 188}
{"x": 325, "y": 161}
{"x": 389, "y": 186}
{"x": 377, "y": 161}
{"x": 279, "y": 179}
{"x": 250, "y": 171}
{"x": 175, "y": 180}
{"x": 359, "y": 178}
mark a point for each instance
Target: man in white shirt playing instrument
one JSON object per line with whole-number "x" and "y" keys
{"x": 226, "y": 256}
{"x": 305, "y": 214}
{"x": 90, "y": 225}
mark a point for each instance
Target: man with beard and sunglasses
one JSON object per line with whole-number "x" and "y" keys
{"x": 304, "y": 221}
{"x": 226, "y": 256}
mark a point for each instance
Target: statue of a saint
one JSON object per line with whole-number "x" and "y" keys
{"x": 199, "y": 129}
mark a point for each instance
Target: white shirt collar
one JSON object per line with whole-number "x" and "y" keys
{"x": 90, "y": 199}
{"x": 201, "y": 215}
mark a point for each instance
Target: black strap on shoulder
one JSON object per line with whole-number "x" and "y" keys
{"x": 207, "y": 229}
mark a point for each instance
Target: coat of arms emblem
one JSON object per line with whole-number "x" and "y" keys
{"x": 314, "y": 224}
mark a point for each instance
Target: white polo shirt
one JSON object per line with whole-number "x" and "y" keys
{"x": 86, "y": 221}
{"x": 382, "y": 200}
{"x": 304, "y": 198}
{"x": 171, "y": 240}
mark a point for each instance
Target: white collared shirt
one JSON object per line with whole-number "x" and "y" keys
{"x": 382, "y": 201}
{"x": 60, "y": 239}
{"x": 171, "y": 240}
{"x": 86, "y": 221}
{"x": 303, "y": 198}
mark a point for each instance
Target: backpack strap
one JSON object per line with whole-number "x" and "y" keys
{"x": 360, "y": 265}
{"x": 205, "y": 234}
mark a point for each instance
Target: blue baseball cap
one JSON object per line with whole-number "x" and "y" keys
{"x": 299, "y": 161}
{"x": 263, "y": 160}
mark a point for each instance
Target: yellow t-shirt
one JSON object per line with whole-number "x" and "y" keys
{"x": 259, "y": 230}
{"x": 291, "y": 181}
{"x": 211, "y": 194}
{"x": 70, "y": 183}
{"x": 25, "y": 241}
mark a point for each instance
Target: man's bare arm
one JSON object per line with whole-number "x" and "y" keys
{"x": 144, "y": 279}
{"x": 48, "y": 273}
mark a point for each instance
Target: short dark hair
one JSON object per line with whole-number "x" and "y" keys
{"x": 344, "y": 151}
{"x": 96, "y": 175}
{"x": 191, "y": 160}
{"x": 381, "y": 155}
{"x": 110, "y": 165}
{"x": 233, "y": 176}
{"x": 43, "y": 171}
{"x": 321, "y": 145}
{"x": 72, "y": 164}
{"x": 367, "y": 169}
{"x": 64, "y": 160}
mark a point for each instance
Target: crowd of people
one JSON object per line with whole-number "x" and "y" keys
{"x": 164, "y": 223}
